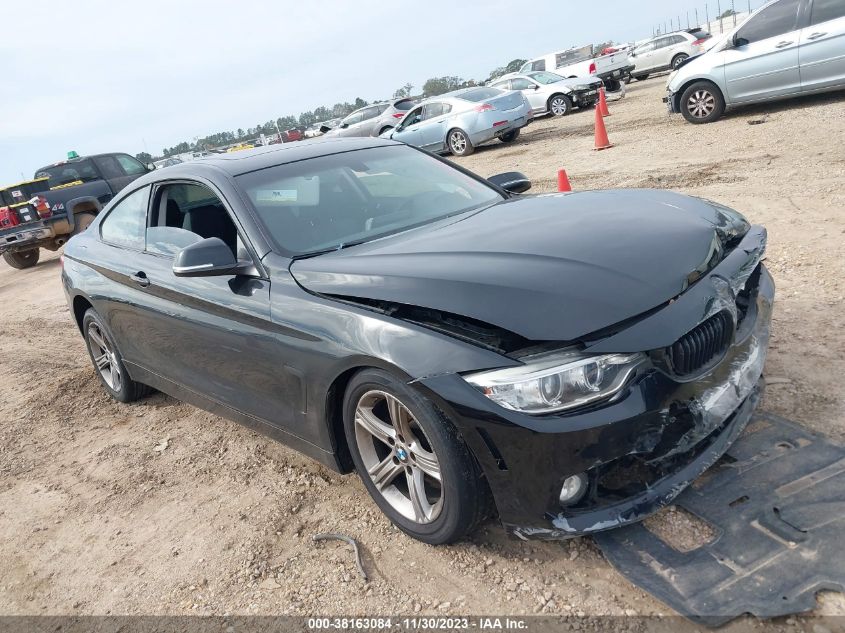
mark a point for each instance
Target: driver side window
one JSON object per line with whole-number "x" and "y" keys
{"x": 412, "y": 118}
{"x": 185, "y": 213}
{"x": 772, "y": 21}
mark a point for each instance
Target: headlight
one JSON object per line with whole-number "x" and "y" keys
{"x": 557, "y": 382}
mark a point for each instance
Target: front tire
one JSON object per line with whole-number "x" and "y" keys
{"x": 458, "y": 142}
{"x": 108, "y": 362}
{"x": 411, "y": 459}
{"x": 386, "y": 128}
{"x": 702, "y": 102}
{"x": 560, "y": 105}
{"x": 22, "y": 259}
{"x": 510, "y": 137}
{"x": 641, "y": 77}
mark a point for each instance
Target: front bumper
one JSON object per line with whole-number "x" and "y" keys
{"x": 669, "y": 100}
{"x": 639, "y": 451}
{"x": 585, "y": 98}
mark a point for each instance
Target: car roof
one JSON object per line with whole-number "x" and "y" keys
{"x": 237, "y": 163}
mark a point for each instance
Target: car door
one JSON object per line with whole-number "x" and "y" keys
{"x": 661, "y": 56}
{"x": 762, "y": 62}
{"x": 349, "y": 125}
{"x": 643, "y": 57}
{"x": 531, "y": 92}
{"x": 433, "y": 129}
{"x": 821, "y": 56}
{"x": 211, "y": 336}
{"x": 369, "y": 117}
{"x": 408, "y": 131}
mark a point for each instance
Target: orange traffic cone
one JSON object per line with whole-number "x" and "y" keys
{"x": 563, "y": 181}
{"x": 603, "y": 103}
{"x": 602, "y": 142}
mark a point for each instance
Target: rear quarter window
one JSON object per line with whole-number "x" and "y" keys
{"x": 126, "y": 223}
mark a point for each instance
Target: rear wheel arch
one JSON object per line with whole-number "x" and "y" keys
{"x": 80, "y": 306}
{"x": 84, "y": 205}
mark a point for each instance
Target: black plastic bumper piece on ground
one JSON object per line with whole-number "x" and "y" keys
{"x": 777, "y": 505}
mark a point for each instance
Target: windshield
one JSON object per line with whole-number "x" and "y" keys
{"x": 333, "y": 201}
{"x": 545, "y": 78}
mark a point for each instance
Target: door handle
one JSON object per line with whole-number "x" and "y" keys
{"x": 782, "y": 44}
{"x": 816, "y": 36}
{"x": 140, "y": 278}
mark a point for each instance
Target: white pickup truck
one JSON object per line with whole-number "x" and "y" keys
{"x": 579, "y": 62}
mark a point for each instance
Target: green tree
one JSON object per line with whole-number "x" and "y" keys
{"x": 439, "y": 85}
{"x": 728, "y": 13}
{"x": 513, "y": 66}
{"x": 404, "y": 91}
{"x": 144, "y": 157}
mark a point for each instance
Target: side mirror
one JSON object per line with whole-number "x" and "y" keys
{"x": 343, "y": 126}
{"x": 536, "y": 87}
{"x": 150, "y": 167}
{"x": 207, "y": 258}
{"x": 511, "y": 181}
{"x": 324, "y": 128}
{"x": 739, "y": 41}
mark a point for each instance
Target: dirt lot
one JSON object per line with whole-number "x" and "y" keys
{"x": 161, "y": 508}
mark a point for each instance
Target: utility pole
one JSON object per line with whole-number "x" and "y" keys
{"x": 719, "y": 9}
{"x": 707, "y": 12}
{"x": 697, "y": 23}
{"x": 733, "y": 10}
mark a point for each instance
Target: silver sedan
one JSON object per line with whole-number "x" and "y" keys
{"x": 458, "y": 122}
{"x": 549, "y": 93}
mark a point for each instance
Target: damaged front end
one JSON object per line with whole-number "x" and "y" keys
{"x": 635, "y": 452}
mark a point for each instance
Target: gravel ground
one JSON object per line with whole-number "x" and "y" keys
{"x": 159, "y": 508}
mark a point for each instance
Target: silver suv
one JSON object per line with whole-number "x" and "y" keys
{"x": 374, "y": 119}
{"x": 667, "y": 52}
{"x": 785, "y": 48}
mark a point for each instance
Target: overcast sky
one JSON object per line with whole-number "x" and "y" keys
{"x": 119, "y": 76}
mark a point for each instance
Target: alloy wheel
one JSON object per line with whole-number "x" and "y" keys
{"x": 104, "y": 357}
{"x": 458, "y": 142}
{"x": 701, "y": 104}
{"x": 559, "y": 107}
{"x": 398, "y": 457}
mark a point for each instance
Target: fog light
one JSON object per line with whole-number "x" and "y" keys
{"x": 573, "y": 489}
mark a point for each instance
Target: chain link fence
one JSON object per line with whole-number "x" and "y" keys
{"x": 717, "y": 17}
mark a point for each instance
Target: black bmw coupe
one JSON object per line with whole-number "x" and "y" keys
{"x": 567, "y": 362}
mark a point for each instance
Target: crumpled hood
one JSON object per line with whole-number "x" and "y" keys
{"x": 548, "y": 268}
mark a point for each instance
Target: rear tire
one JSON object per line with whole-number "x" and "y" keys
{"x": 612, "y": 85}
{"x": 22, "y": 259}
{"x": 458, "y": 143}
{"x": 510, "y": 137}
{"x": 641, "y": 77}
{"x": 398, "y": 438}
{"x": 108, "y": 362}
{"x": 560, "y": 105}
{"x": 679, "y": 59}
{"x": 386, "y": 128}
{"x": 81, "y": 222}
{"x": 702, "y": 102}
